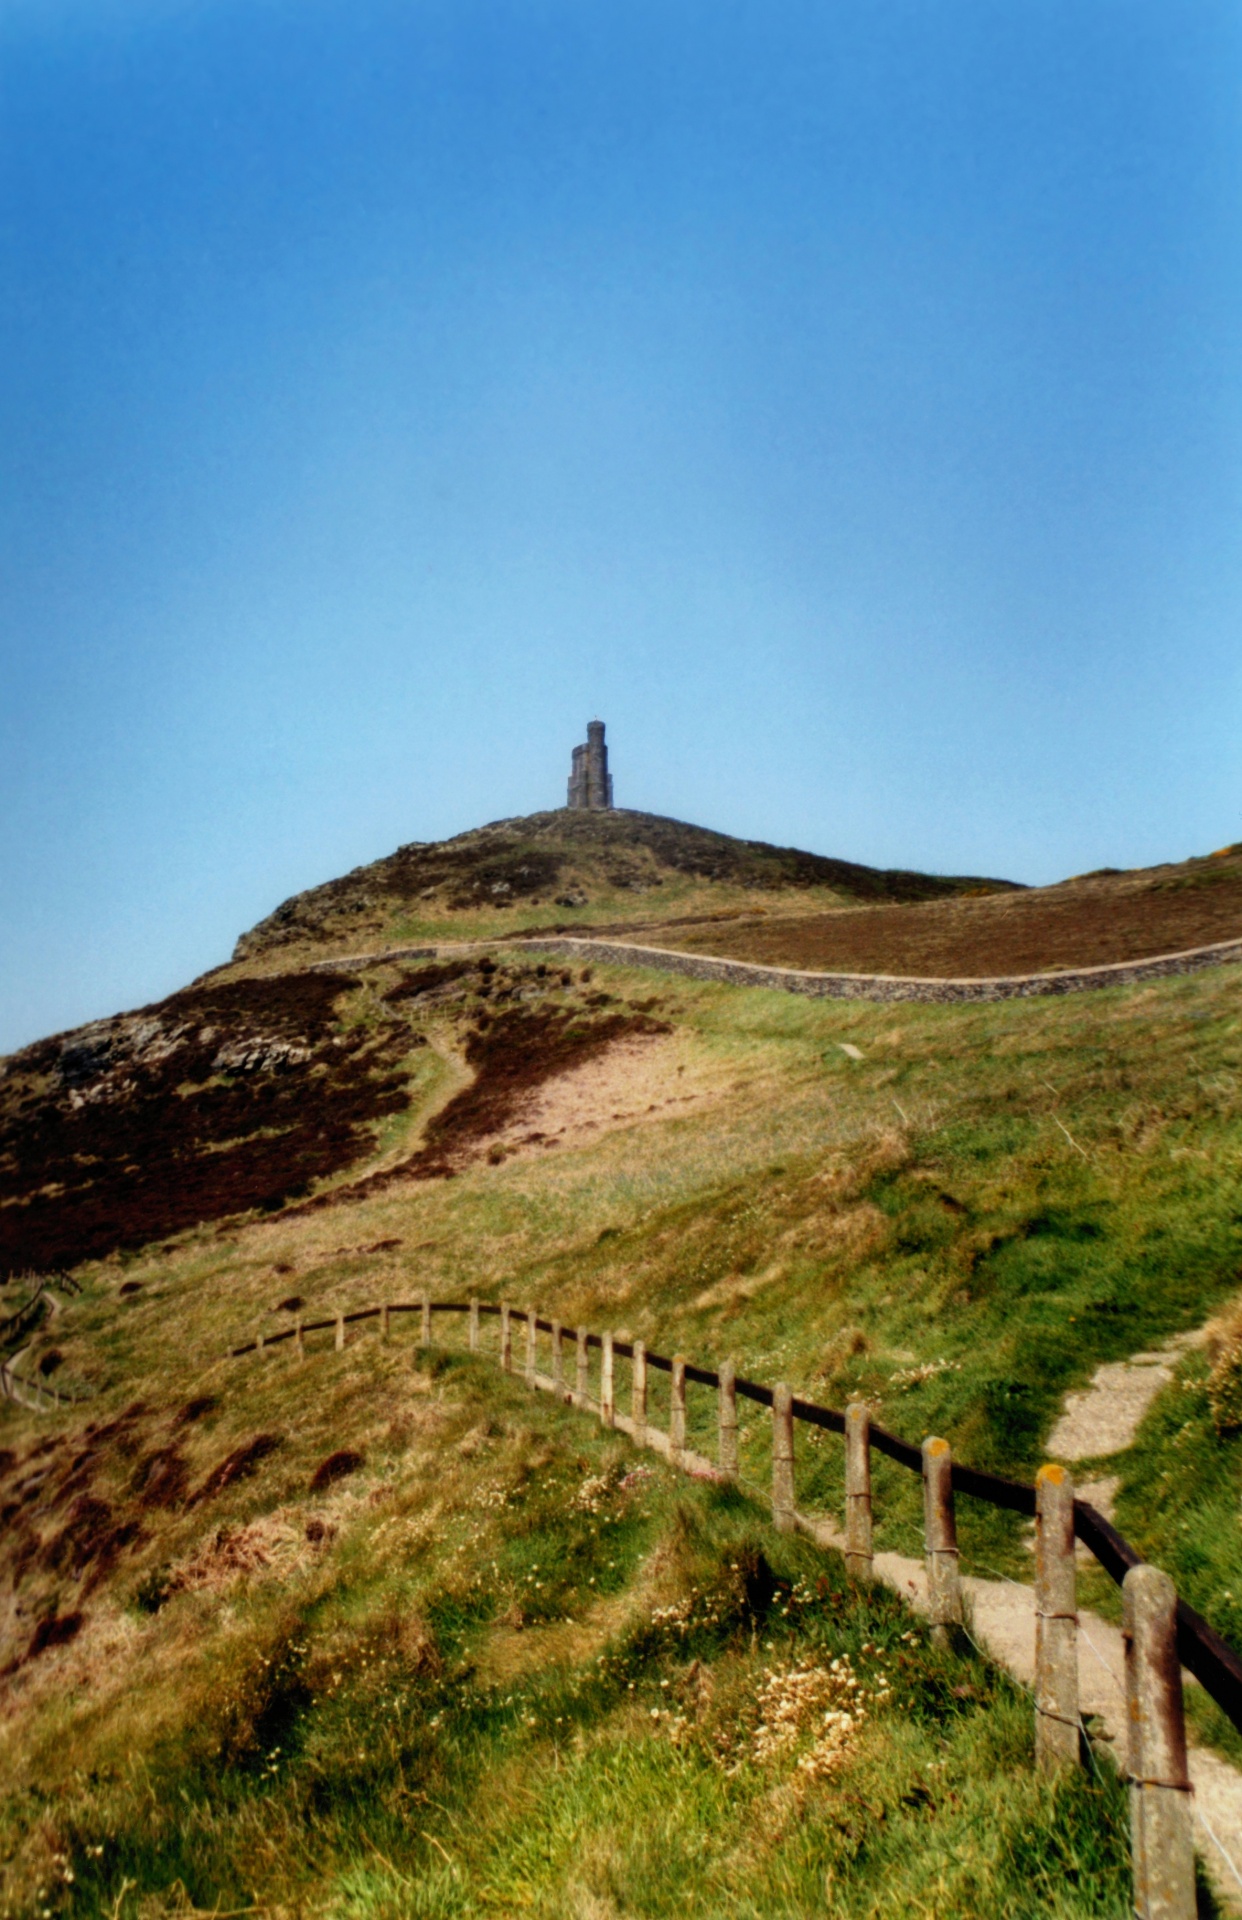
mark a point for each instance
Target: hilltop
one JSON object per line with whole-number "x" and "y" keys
{"x": 572, "y": 870}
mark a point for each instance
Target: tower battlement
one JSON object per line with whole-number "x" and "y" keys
{"x": 590, "y": 783}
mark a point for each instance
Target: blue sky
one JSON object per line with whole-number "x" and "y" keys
{"x": 843, "y": 401}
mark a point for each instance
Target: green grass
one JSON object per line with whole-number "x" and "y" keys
{"x": 373, "y": 1733}
{"x": 960, "y": 1226}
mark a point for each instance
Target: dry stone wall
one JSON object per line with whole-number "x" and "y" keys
{"x": 889, "y": 987}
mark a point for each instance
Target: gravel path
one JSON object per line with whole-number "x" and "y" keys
{"x": 1002, "y": 1621}
{"x": 1100, "y": 1420}
{"x": 1105, "y": 1417}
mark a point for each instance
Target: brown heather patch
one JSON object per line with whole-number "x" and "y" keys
{"x": 197, "y": 1409}
{"x": 241, "y": 1464}
{"x": 421, "y": 981}
{"x": 222, "y": 1098}
{"x": 90, "y": 1542}
{"x": 513, "y": 1053}
{"x": 1081, "y": 923}
{"x": 54, "y": 1631}
{"x": 161, "y": 1479}
{"x": 516, "y": 1053}
{"x": 337, "y": 1466}
{"x": 272, "y": 1545}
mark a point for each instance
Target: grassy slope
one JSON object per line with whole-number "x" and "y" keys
{"x": 361, "y": 1726}
{"x": 579, "y": 869}
{"x": 1094, "y": 921}
{"x": 961, "y": 1224}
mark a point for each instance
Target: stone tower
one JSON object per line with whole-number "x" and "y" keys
{"x": 590, "y": 783}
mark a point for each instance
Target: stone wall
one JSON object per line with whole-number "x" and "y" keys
{"x": 888, "y": 987}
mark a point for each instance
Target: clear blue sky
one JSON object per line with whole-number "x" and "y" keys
{"x": 842, "y": 400}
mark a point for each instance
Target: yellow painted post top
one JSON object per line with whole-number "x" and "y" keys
{"x": 937, "y": 1446}
{"x": 1052, "y": 1474}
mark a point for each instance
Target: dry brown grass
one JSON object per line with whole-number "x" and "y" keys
{"x": 1083, "y": 923}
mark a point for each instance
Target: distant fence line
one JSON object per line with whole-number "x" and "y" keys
{"x": 1161, "y": 1633}
{"x": 35, "y": 1394}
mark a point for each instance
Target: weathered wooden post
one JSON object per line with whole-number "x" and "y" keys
{"x": 726, "y": 1419}
{"x": 607, "y": 1406}
{"x": 677, "y": 1409}
{"x": 1057, "y": 1737}
{"x": 384, "y": 1322}
{"x": 473, "y": 1334}
{"x": 339, "y": 1341}
{"x": 532, "y": 1337}
{"x": 299, "y": 1339}
{"x": 506, "y": 1339}
{"x": 259, "y": 1342}
{"x": 424, "y": 1323}
{"x": 638, "y": 1394}
{"x": 783, "y": 1503}
{"x": 557, "y": 1377}
{"x": 1162, "y": 1841}
{"x": 858, "y": 1490}
{"x": 944, "y": 1587}
{"x": 582, "y": 1373}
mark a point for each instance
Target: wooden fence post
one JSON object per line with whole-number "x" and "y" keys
{"x": 726, "y": 1419}
{"x": 506, "y": 1339}
{"x": 1057, "y": 1733}
{"x": 384, "y": 1322}
{"x": 858, "y": 1490}
{"x": 1162, "y": 1841}
{"x": 557, "y": 1379}
{"x": 607, "y": 1406}
{"x": 424, "y": 1323}
{"x": 339, "y": 1341}
{"x": 677, "y": 1409}
{"x": 259, "y": 1342}
{"x": 473, "y": 1335}
{"x": 944, "y": 1587}
{"x": 783, "y": 1504}
{"x": 638, "y": 1395}
{"x": 299, "y": 1339}
{"x": 582, "y": 1374}
{"x": 532, "y": 1336}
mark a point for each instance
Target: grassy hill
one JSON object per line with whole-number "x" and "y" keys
{"x": 573, "y": 870}
{"x": 383, "y": 1634}
{"x": 483, "y": 1661}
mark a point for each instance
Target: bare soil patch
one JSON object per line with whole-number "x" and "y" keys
{"x": 635, "y": 1078}
{"x": 1089, "y": 922}
{"x": 513, "y": 1054}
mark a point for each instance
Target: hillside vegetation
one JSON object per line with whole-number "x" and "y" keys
{"x": 384, "y": 1634}
{"x": 618, "y": 869}
{"x": 1092, "y": 921}
{"x": 484, "y": 1661}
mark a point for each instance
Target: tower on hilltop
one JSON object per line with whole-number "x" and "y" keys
{"x": 590, "y": 783}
